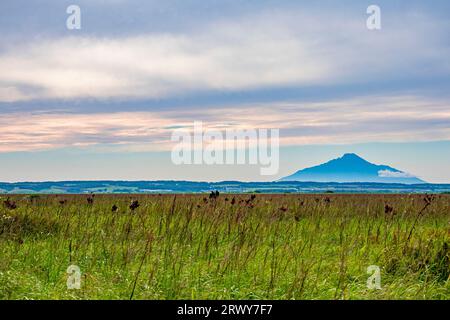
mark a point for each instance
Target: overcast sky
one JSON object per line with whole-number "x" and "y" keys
{"x": 102, "y": 102}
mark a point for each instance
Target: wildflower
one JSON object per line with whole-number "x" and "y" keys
{"x": 11, "y": 205}
{"x": 428, "y": 198}
{"x": 7, "y": 218}
{"x": 248, "y": 201}
{"x": 90, "y": 200}
{"x": 134, "y": 205}
{"x": 214, "y": 194}
{"x": 388, "y": 209}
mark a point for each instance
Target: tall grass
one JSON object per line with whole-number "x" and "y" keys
{"x": 225, "y": 247}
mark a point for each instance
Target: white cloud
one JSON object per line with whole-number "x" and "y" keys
{"x": 154, "y": 66}
{"x": 11, "y": 94}
{"x": 261, "y": 50}
{"x": 394, "y": 174}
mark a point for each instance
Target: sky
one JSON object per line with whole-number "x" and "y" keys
{"x": 102, "y": 102}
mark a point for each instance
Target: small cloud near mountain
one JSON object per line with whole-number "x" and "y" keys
{"x": 394, "y": 174}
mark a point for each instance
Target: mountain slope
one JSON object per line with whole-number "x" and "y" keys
{"x": 352, "y": 168}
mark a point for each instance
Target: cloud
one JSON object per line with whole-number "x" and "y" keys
{"x": 12, "y": 94}
{"x": 364, "y": 119}
{"x": 265, "y": 49}
{"x": 153, "y": 66}
{"x": 29, "y": 132}
{"x": 394, "y": 174}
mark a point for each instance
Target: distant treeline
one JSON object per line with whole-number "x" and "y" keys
{"x": 77, "y": 187}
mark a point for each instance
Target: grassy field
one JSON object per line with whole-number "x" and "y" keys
{"x": 225, "y": 247}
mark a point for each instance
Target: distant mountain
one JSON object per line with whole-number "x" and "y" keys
{"x": 352, "y": 168}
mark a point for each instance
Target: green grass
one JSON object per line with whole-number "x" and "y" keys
{"x": 192, "y": 247}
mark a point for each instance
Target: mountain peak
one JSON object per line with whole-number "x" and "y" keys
{"x": 351, "y": 156}
{"x": 352, "y": 168}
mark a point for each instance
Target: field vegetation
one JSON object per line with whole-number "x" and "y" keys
{"x": 225, "y": 246}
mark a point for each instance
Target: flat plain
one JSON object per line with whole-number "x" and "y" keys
{"x": 227, "y": 246}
